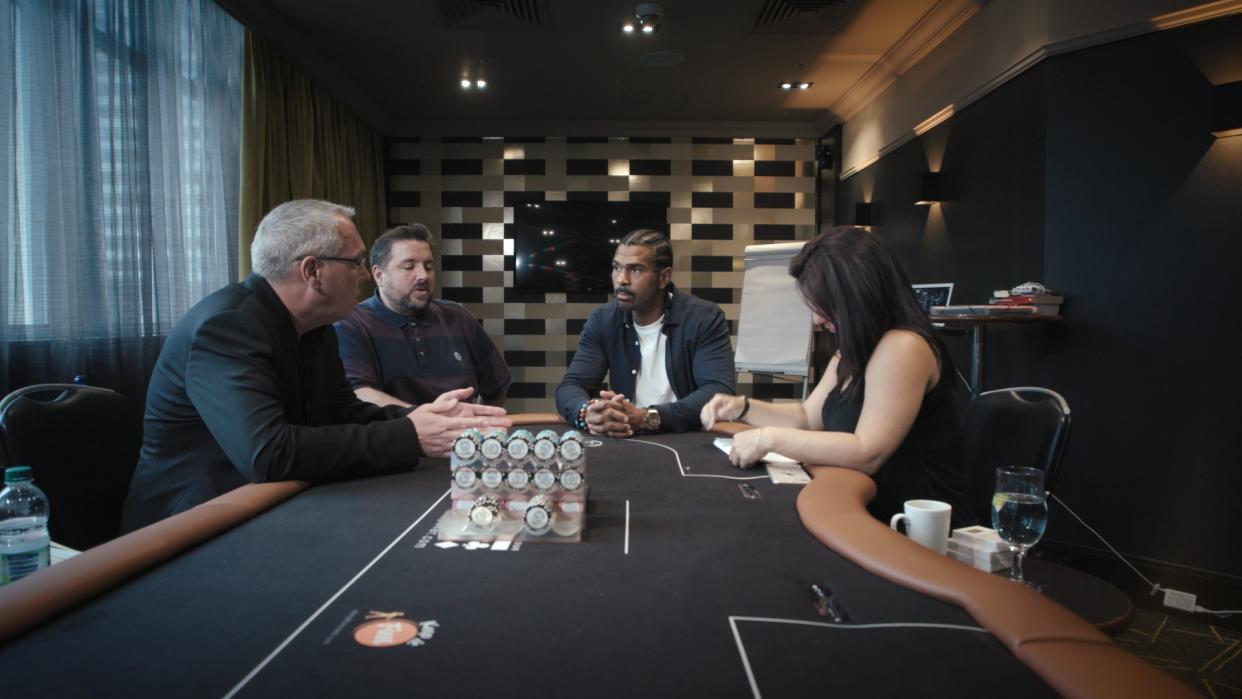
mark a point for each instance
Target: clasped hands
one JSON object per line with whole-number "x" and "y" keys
{"x": 440, "y": 422}
{"x": 613, "y": 415}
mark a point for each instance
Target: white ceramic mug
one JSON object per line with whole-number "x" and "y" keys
{"x": 927, "y": 522}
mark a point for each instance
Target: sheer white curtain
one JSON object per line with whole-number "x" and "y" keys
{"x": 120, "y": 123}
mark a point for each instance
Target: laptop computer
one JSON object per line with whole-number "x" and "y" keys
{"x": 930, "y": 295}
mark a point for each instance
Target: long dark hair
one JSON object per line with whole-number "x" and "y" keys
{"x": 850, "y": 278}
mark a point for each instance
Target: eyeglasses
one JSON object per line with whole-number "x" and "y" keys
{"x": 361, "y": 260}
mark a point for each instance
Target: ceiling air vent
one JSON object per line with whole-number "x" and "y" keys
{"x": 807, "y": 16}
{"x": 495, "y": 15}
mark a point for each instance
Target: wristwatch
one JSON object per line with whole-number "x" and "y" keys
{"x": 651, "y": 421}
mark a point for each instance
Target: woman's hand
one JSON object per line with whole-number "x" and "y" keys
{"x": 721, "y": 408}
{"x": 748, "y": 448}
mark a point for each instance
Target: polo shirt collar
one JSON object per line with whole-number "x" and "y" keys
{"x": 376, "y": 305}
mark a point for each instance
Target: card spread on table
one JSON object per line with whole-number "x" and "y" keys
{"x": 725, "y": 444}
{"x": 781, "y": 469}
{"x": 788, "y": 473}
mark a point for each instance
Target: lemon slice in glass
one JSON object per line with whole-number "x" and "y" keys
{"x": 999, "y": 500}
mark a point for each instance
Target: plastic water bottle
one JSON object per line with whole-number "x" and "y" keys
{"x": 25, "y": 546}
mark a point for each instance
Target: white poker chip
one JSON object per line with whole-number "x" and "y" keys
{"x": 518, "y": 478}
{"x": 465, "y": 448}
{"x": 492, "y": 478}
{"x": 538, "y": 514}
{"x": 484, "y": 512}
{"x": 544, "y": 479}
{"x": 464, "y": 477}
{"x": 571, "y": 479}
{"x": 571, "y": 449}
{"x": 492, "y": 448}
{"x": 545, "y": 449}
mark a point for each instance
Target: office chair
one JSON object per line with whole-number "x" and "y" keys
{"x": 1023, "y": 426}
{"x": 82, "y": 443}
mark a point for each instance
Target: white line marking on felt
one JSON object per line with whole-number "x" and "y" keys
{"x": 338, "y": 593}
{"x": 627, "y": 527}
{"x": 698, "y": 475}
{"x": 750, "y": 675}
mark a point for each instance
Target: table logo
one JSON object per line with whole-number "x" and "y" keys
{"x": 388, "y": 629}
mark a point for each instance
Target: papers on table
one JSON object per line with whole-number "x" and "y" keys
{"x": 62, "y": 553}
{"x": 781, "y": 469}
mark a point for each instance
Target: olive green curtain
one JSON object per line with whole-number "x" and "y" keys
{"x": 299, "y": 143}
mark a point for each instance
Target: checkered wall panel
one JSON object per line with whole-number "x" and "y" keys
{"x": 722, "y": 194}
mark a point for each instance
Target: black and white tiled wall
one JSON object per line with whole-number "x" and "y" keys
{"x": 722, "y": 194}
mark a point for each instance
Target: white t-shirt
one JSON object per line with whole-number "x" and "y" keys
{"x": 651, "y": 386}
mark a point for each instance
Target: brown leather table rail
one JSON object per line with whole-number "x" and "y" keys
{"x": 49, "y": 592}
{"x": 1070, "y": 654}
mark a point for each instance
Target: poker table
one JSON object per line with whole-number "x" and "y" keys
{"x": 692, "y": 579}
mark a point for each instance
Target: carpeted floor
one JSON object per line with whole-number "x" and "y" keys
{"x": 1197, "y": 652}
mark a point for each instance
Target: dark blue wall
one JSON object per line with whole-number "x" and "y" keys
{"x": 1096, "y": 173}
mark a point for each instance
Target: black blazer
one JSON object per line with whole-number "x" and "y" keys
{"x": 238, "y": 397}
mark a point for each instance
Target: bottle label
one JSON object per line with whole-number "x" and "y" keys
{"x": 15, "y": 566}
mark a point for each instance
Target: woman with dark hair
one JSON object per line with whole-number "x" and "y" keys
{"x": 889, "y": 403}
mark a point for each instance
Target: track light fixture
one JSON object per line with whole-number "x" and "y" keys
{"x": 646, "y": 19}
{"x": 791, "y": 84}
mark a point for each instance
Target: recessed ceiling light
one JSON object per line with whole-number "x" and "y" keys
{"x": 801, "y": 86}
{"x": 483, "y": 83}
{"x": 786, "y": 86}
{"x": 465, "y": 84}
{"x": 648, "y": 28}
{"x": 628, "y": 28}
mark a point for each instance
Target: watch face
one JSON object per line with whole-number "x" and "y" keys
{"x": 652, "y": 421}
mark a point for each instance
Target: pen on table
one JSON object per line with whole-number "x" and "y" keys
{"x": 827, "y": 605}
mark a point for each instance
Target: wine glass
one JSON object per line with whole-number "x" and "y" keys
{"x": 1019, "y": 513}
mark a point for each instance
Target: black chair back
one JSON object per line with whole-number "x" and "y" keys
{"x": 82, "y": 444}
{"x": 1026, "y": 426}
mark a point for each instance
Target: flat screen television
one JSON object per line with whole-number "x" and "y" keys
{"x": 562, "y": 246}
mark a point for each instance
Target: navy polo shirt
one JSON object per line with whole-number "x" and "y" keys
{"x": 441, "y": 348}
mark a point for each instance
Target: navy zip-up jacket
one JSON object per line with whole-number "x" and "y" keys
{"x": 698, "y": 359}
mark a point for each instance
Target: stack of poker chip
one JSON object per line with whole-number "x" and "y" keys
{"x": 499, "y": 476}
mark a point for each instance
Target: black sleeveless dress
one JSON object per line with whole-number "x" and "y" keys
{"x": 929, "y": 463}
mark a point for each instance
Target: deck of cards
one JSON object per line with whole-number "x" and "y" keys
{"x": 980, "y": 547}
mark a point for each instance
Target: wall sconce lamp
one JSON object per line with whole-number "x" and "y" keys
{"x": 862, "y": 213}
{"x": 1227, "y": 109}
{"x": 931, "y": 188}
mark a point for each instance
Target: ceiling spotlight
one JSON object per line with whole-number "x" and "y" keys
{"x": 483, "y": 83}
{"x": 801, "y": 86}
{"x": 465, "y": 84}
{"x": 784, "y": 86}
{"x": 646, "y": 19}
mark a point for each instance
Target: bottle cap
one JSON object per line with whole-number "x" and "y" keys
{"x": 17, "y": 474}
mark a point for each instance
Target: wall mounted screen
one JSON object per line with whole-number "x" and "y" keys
{"x": 568, "y": 246}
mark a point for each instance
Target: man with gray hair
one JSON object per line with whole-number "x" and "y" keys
{"x": 249, "y": 386}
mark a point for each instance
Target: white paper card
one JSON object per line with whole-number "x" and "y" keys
{"x": 788, "y": 474}
{"x": 725, "y": 444}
